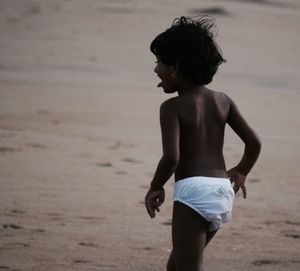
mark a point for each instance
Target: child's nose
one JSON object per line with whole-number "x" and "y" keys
{"x": 155, "y": 69}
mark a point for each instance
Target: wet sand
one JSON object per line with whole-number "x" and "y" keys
{"x": 80, "y": 135}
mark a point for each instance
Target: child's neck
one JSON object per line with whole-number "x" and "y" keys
{"x": 186, "y": 86}
{"x": 190, "y": 89}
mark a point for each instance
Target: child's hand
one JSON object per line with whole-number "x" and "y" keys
{"x": 238, "y": 179}
{"x": 153, "y": 200}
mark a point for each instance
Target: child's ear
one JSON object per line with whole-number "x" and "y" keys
{"x": 175, "y": 70}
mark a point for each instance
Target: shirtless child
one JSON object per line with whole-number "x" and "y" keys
{"x": 192, "y": 126}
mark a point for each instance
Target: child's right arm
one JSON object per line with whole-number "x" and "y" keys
{"x": 252, "y": 148}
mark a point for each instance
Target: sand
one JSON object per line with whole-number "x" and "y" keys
{"x": 80, "y": 135}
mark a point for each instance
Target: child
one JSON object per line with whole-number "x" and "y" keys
{"x": 192, "y": 126}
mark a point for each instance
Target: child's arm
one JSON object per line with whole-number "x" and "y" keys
{"x": 170, "y": 143}
{"x": 168, "y": 163}
{"x": 252, "y": 148}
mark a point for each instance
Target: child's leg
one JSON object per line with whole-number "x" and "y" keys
{"x": 189, "y": 237}
{"x": 171, "y": 262}
{"x": 210, "y": 236}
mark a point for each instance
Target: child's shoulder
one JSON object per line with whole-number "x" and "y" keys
{"x": 176, "y": 103}
{"x": 220, "y": 97}
{"x": 169, "y": 105}
{"x": 219, "y": 94}
{"x": 170, "y": 102}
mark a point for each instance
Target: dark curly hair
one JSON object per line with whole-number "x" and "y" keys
{"x": 189, "y": 43}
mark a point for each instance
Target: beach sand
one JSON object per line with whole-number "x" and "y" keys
{"x": 80, "y": 136}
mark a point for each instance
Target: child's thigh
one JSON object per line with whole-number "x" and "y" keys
{"x": 189, "y": 236}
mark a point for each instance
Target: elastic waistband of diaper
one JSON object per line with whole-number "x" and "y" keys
{"x": 205, "y": 179}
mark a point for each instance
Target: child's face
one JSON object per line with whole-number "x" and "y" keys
{"x": 166, "y": 74}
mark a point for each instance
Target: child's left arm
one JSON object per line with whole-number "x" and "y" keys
{"x": 170, "y": 142}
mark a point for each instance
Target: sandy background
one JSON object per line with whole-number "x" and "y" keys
{"x": 80, "y": 138}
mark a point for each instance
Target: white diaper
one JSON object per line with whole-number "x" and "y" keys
{"x": 210, "y": 197}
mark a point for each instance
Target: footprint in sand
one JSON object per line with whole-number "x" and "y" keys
{"x": 43, "y": 112}
{"x": 88, "y": 244}
{"x": 14, "y": 245}
{"x": 292, "y": 223}
{"x": 167, "y": 223}
{"x": 35, "y": 9}
{"x": 114, "y": 10}
{"x": 5, "y": 150}
{"x": 143, "y": 248}
{"x": 254, "y": 180}
{"x": 7, "y": 135}
{"x": 148, "y": 248}
{"x": 268, "y": 223}
{"x": 94, "y": 264}
{"x": 131, "y": 160}
{"x": 130, "y": 145}
{"x": 104, "y": 164}
{"x": 255, "y": 227}
{"x": 91, "y": 217}
{"x": 55, "y": 218}
{"x": 274, "y": 262}
{"x": 54, "y": 214}
{"x": 121, "y": 172}
{"x": 55, "y": 122}
{"x": 7, "y": 268}
{"x": 39, "y": 230}
{"x": 124, "y": 145}
{"x": 265, "y": 262}
{"x": 93, "y": 59}
{"x": 106, "y": 265}
{"x": 16, "y": 211}
{"x": 115, "y": 146}
{"x": 269, "y": 3}
{"x": 13, "y": 20}
{"x": 55, "y": 7}
{"x": 12, "y": 226}
{"x": 36, "y": 145}
{"x": 82, "y": 261}
{"x": 217, "y": 10}
{"x": 292, "y": 235}
{"x": 10, "y": 128}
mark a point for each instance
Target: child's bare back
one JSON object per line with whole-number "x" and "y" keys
{"x": 201, "y": 116}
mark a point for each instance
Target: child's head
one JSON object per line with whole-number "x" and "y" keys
{"x": 189, "y": 44}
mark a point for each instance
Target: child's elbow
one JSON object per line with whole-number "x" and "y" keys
{"x": 258, "y": 144}
{"x": 255, "y": 145}
{"x": 171, "y": 159}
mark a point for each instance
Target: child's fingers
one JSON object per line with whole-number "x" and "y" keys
{"x": 151, "y": 212}
{"x": 153, "y": 200}
{"x": 150, "y": 209}
{"x": 236, "y": 188}
{"x": 231, "y": 176}
{"x": 244, "y": 191}
{"x": 161, "y": 200}
{"x": 156, "y": 204}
